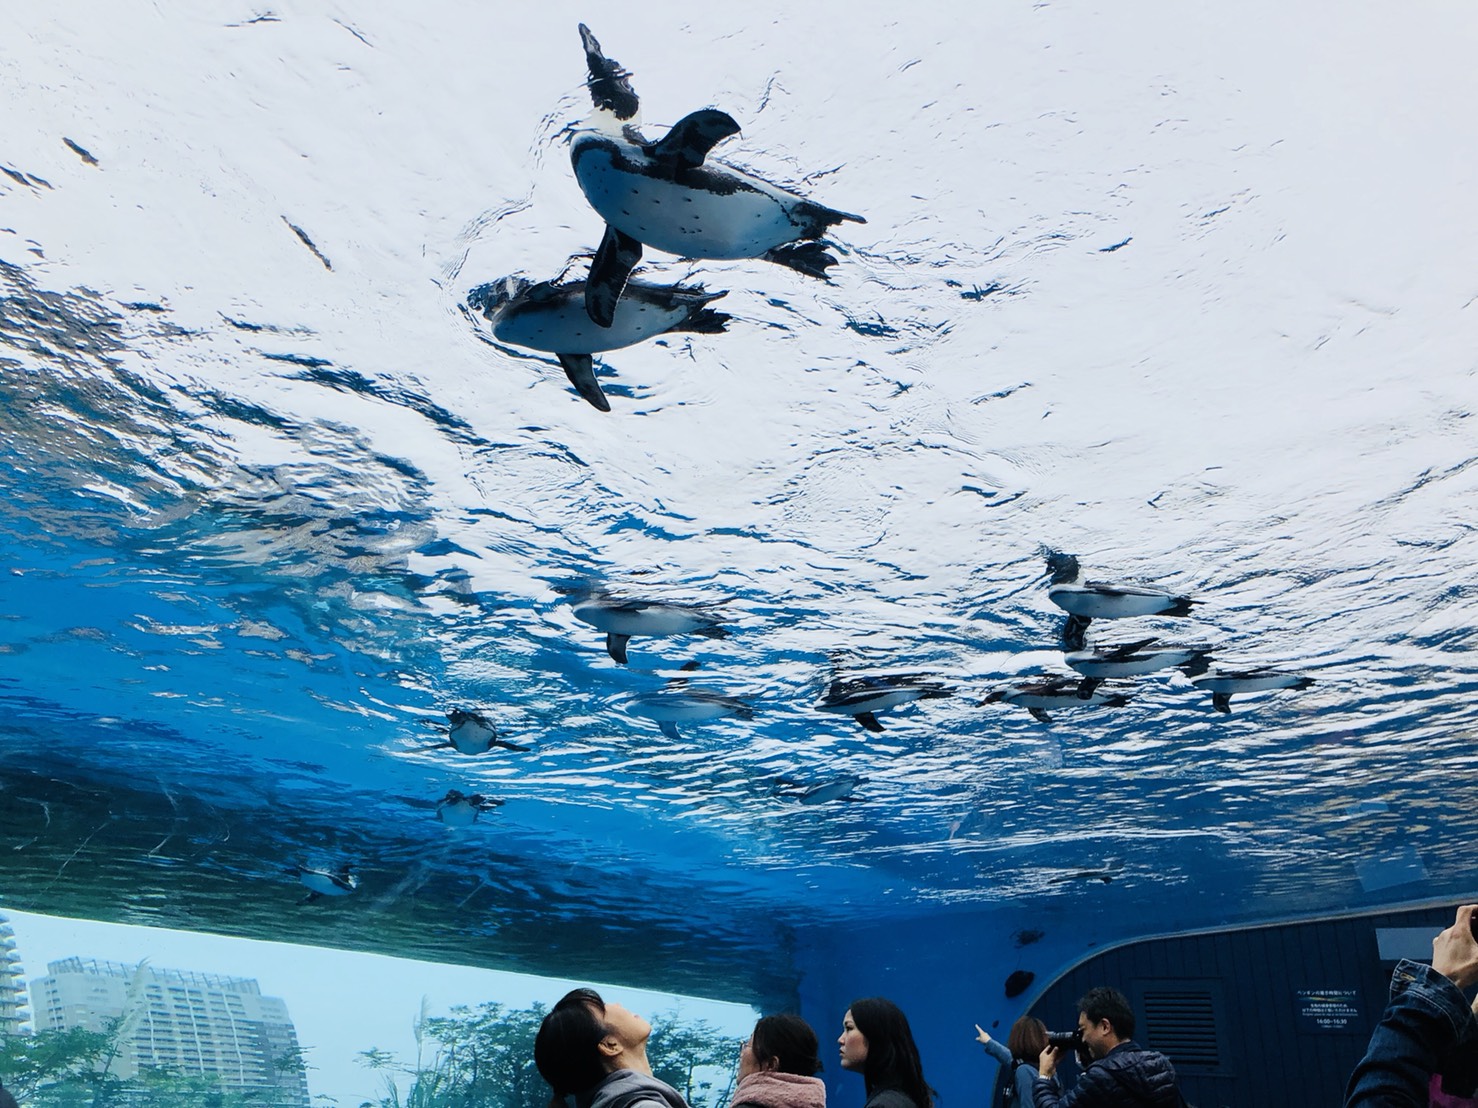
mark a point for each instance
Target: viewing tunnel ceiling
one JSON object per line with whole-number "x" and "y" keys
{"x": 1187, "y": 294}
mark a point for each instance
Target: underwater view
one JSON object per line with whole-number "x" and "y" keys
{"x": 504, "y": 485}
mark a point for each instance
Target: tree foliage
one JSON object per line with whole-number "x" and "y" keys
{"x": 483, "y": 1057}
{"x": 74, "y": 1069}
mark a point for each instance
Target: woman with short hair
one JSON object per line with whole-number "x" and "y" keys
{"x": 1020, "y": 1052}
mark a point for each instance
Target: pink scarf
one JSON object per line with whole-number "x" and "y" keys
{"x": 768, "y": 1089}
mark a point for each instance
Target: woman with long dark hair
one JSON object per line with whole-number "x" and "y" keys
{"x": 876, "y": 1042}
{"x": 1020, "y": 1052}
{"x": 778, "y": 1066}
{"x": 597, "y": 1053}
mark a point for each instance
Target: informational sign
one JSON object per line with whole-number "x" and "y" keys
{"x": 1328, "y": 1010}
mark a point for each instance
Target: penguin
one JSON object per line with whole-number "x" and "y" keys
{"x": 1134, "y": 659}
{"x": 860, "y": 697}
{"x": 670, "y": 196}
{"x": 1225, "y": 684}
{"x": 322, "y": 882}
{"x": 1038, "y": 695}
{"x": 474, "y": 733}
{"x": 551, "y": 316}
{"x": 838, "y": 788}
{"x": 681, "y": 702}
{"x": 457, "y": 809}
{"x": 1085, "y": 601}
{"x": 621, "y": 618}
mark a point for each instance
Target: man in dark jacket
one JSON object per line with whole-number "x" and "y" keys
{"x": 1122, "y": 1073}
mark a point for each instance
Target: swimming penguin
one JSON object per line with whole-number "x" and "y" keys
{"x": 670, "y": 196}
{"x": 860, "y": 697}
{"x": 457, "y": 809}
{"x": 681, "y": 702}
{"x": 474, "y": 733}
{"x": 838, "y": 788}
{"x": 1054, "y": 692}
{"x": 1224, "y": 684}
{"x": 550, "y": 316}
{"x": 322, "y": 882}
{"x": 1085, "y": 601}
{"x": 1134, "y": 659}
{"x": 621, "y": 618}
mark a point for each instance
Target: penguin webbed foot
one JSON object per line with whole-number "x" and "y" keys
{"x": 810, "y": 258}
{"x": 705, "y": 321}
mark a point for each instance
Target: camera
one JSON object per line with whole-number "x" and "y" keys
{"x": 1065, "y": 1040}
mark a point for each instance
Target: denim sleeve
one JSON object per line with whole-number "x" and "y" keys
{"x": 1026, "y": 1080}
{"x": 997, "y": 1050}
{"x": 1426, "y": 1020}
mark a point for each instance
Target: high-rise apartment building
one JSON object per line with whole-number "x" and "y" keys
{"x": 13, "y": 1011}
{"x": 194, "y": 1023}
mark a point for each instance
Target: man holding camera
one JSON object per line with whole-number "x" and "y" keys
{"x": 1119, "y": 1074}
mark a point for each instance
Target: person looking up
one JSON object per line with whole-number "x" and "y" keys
{"x": 876, "y": 1042}
{"x": 597, "y": 1053}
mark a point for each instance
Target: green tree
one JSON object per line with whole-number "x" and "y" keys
{"x": 63, "y": 1063}
{"x": 483, "y": 1057}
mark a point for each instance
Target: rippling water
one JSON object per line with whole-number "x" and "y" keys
{"x": 1184, "y": 297}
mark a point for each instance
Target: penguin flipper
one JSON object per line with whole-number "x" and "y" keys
{"x": 1086, "y": 687}
{"x": 668, "y": 728}
{"x": 1040, "y": 715}
{"x": 1119, "y": 653}
{"x": 1196, "y": 666}
{"x": 810, "y": 258}
{"x": 609, "y": 271}
{"x": 691, "y": 138}
{"x": 616, "y": 647}
{"x": 869, "y": 721}
{"x": 580, "y": 369}
{"x": 310, "y": 898}
{"x": 1222, "y": 701}
{"x": 1074, "y": 631}
{"x": 504, "y": 744}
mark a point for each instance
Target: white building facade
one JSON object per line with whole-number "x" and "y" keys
{"x": 14, "y": 1015}
{"x": 193, "y": 1023}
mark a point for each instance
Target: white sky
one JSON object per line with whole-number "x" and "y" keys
{"x": 341, "y": 1002}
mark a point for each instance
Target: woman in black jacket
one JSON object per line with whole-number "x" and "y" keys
{"x": 876, "y": 1042}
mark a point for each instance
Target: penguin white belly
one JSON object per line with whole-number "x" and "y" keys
{"x": 890, "y": 699}
{"x": 323, "y": 884}
{"x": 744, "y": 220}
{"x": 566, "y": 328}
{"x": 1118, "y": 605}
{"x": 678, "y": 709}
{"x": 647, "y": 621}
{"x": 458, "y": 815}
{"x": 1090, "y": 666}
{"x": 1249, "y": 684}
